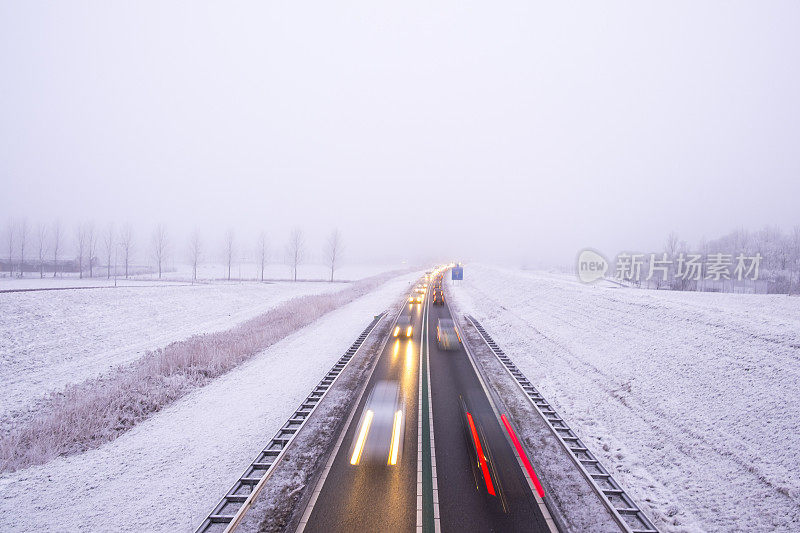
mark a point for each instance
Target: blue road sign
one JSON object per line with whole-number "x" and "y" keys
{"x": 457, "y": 273}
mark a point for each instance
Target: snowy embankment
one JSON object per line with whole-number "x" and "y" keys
{"x": 688, "y": 398}
{"x": 53, "y": 338}
{"x": 167, "y": 472}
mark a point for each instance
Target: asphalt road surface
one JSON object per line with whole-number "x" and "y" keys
{"x": 379, "y": 497}
{"x": 464, "y": 501}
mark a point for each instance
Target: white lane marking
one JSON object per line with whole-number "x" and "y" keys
{"x": 436, "y": 517}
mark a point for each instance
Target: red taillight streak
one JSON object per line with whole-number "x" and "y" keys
{"x": 523, "y": 456}
{"x": 481, "y": 458}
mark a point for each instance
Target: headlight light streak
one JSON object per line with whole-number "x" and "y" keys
{"x": 395, "y": 445}
{"x": 362, "y": 438}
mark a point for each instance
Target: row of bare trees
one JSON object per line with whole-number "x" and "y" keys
{"x": 112, "y": 250}
{"x": 778, "y": 264}
{"x": 115, "y": 245}
{"x": 295, "y": 252}
{"x": 779, "y": 250}
{"x": 50, "y": 243}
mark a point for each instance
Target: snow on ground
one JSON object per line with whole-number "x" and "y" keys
{"x": 49, "y": 339}
{"x": 273, "y": 271}
{"x": 689, "y": 398}
{"x": 168, "y": 472}
{"x": 181, "y": 273}
{"x": 30, "y": 283}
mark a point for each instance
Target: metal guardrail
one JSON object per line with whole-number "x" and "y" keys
{"x": 227, "y": 514}
{"x": 625, "y": 511}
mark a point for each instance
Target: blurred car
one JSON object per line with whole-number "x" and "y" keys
{"x": 379, "y": 438}
{"x": 416, "y": 298}
{"x": 480, "y": 455}
{"x": 446, "y": 334}
{"x": 403, "y": 327}
{"x": 438, "y": 297}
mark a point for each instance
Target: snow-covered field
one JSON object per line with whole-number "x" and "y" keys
{"x": 49, "y": 339}
{"x": 276, "y": 271}
{"x": 689, "y": 398}
{"x": 181, "y": 273}
{"x": 167, "y": 473}
{"x": 31, "y": 283}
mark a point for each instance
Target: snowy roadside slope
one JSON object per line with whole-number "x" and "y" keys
{"x": 167, "y": 473}
{"x": 690, "y": 399}
{"x": 53, "y": 338}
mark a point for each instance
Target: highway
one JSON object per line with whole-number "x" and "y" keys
{"x": 380, "y": 497}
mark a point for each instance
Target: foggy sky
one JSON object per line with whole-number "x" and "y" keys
{"x": 505, "y": 131}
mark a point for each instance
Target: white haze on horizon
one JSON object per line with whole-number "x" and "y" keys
{"x": 513, "y": 132}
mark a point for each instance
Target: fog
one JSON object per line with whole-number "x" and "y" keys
{"x": 513, "y": 132}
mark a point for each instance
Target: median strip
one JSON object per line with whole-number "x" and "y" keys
{"x": 428, "y": 520}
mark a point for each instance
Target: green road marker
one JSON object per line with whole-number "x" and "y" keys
{"x": 427, "y": 467}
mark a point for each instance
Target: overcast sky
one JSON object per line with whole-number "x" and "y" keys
{"x": 507, "y": 131}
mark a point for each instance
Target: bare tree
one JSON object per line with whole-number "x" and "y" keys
{"x": 56, "y": 245}
{"x": 10, "y": 236}
{"x": 126, "y": 243}
{"x": 671, "y": 244}
{"x": 333, "y": 250}
{"x": 80, "y": 241}
{"x": 23, "y": 240}
{"x": 229, "y": 241}
{"x": 295, "y": 249}
{"x": 195, "y": 249}
{"x": 262, "y": 251}
{"x": 794, "y": 244}
{"x": 683, "y": 283}
{"x": 41, "y": 232}
{"x": 91, "y": 246}
{"x": 671, "y": 248}
{"x": 704, "y": 249}
{"x": 160, "y": 247}
{"x": 108, "y": 246}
